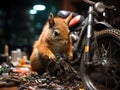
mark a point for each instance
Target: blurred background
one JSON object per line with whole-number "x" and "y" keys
{"x": 21, "y": 24}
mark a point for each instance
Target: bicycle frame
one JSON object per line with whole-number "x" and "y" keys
{"x": 86, "y": 30}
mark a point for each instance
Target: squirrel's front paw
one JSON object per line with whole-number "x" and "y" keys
{"x": 52, "y": 57}
{"x": 70, "y": 56}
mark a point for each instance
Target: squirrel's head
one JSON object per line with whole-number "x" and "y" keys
{"x": 58, "y": 28}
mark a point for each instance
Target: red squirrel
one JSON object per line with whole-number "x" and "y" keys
{"x": 54, "y": 39}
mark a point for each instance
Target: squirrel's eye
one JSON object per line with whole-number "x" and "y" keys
{"x": 56, "y": 33}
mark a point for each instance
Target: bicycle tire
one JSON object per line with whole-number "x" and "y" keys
{"x": 103, "y": 71}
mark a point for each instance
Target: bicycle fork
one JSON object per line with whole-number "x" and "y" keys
{"x": 87, "y": 48}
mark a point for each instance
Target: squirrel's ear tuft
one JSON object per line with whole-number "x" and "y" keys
{"x": 51, "y": 20}
{"x": 67, "y": 20}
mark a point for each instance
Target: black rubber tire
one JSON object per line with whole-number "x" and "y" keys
{"x": 107, "y": 76}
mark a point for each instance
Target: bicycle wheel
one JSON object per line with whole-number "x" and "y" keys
{"x": 102, "y": 72}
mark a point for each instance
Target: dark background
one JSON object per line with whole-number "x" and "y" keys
{"x": 19, "y": 29}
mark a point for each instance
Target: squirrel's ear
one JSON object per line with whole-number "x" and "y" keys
{"x": 51, "y": 20}
{"x": 67, "y": 20}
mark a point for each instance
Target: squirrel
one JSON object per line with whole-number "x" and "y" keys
{"x": 54, "y": 39}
